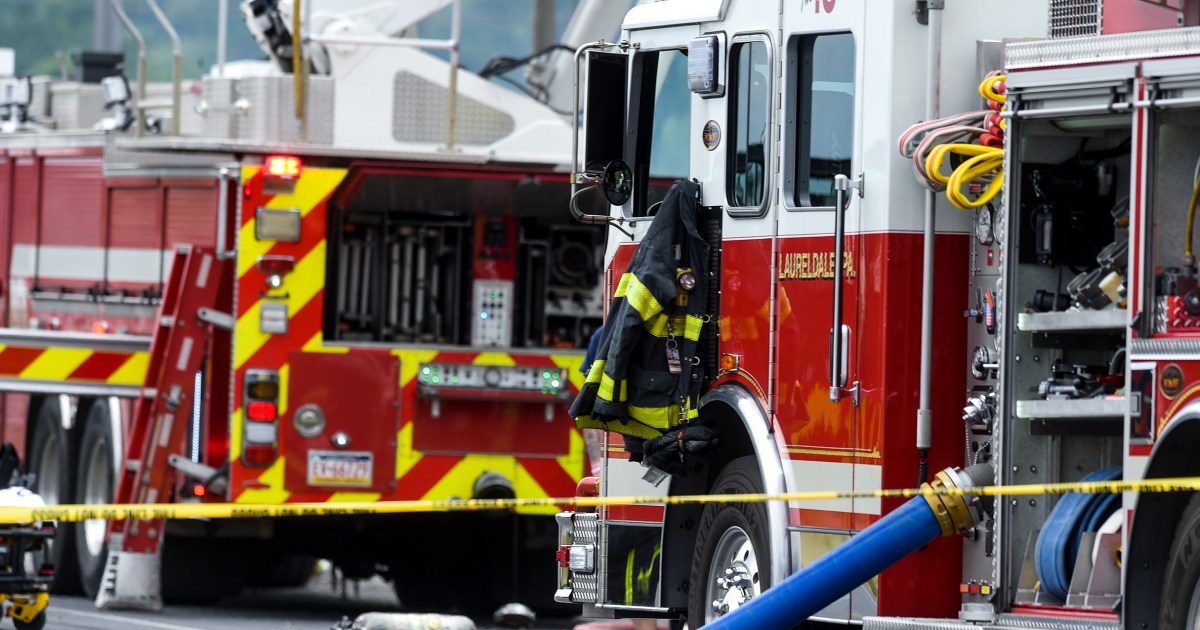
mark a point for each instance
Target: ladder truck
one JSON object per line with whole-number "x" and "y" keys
{"x": 1024, "y": 312}
{"x": 337, "y": 275}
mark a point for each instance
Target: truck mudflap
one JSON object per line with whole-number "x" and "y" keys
{"x": 1002, "y": 622}
{"x": 578, "y": 558}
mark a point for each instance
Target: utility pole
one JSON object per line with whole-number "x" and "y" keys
{"x": 107, "y": 29}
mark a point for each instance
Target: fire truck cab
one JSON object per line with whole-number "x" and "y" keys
{"x": 868, "y": 332}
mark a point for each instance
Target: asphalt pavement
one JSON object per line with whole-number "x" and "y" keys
{"x": 317, "y": 606}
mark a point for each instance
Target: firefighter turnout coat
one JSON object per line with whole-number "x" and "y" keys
{"x": 646, "y": 378}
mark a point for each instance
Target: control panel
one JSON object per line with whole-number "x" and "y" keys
{"x": 492, "y": 324}
{"x": 517, "y": 382}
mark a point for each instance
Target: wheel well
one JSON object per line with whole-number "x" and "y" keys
{"x": 31, "y": 414}
{"x": 1176, "y": 454}
{"x": 680, "y": 521}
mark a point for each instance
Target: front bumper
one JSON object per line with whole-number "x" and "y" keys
{"x": 578, "y": 558}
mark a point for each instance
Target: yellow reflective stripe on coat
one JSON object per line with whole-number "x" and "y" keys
{"x": 596, "y": 371}
{"x": 639, "y": 297}
{"x": 660, "y": 417}
{"x": 608, "y": 387}
{"x": 630, "y": 428}
{"x": 686, "y": 325}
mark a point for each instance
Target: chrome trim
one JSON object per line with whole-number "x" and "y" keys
{"x": 118, "y": 437}
{"x": 85, "y": 341}
{"x": 770, "y": 465}
{"x": 25, "y": 386}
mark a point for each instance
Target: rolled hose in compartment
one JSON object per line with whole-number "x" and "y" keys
{"x": 1058, "y": 544}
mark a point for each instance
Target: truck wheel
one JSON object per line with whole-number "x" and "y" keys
{"x": 281, "y": 570}
{"x": 95, "y": 485}
{"x": 732, "y": 563}
{"x": 51, "y": 459}
{"x": 1181, "y": 586}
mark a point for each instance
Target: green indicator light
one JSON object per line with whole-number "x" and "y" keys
{"x": 436, "y": 379}
{"x": 453, "y": 379}
{"x": 425, "y": 370}
{"x": 554, "y": 383}
{"x": 545, "y": 375}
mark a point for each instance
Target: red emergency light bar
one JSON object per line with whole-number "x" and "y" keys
{"x": 283, "y": 166}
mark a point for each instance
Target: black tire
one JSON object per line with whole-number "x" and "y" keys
{"x": 426, "y": 591}
{"x": 203, "y": 570}
{"x": 95, "y": 483}
{"x": 1180, "y": 599}
{"x": 281, "y": 570}
{"x": 738, "y": 532}
{"x": 37, "y": 623}
{"x": 51, "y": 458}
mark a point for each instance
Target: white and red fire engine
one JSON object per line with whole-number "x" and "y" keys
{"x": 1038, "y": 326}
{"x": 369, "y": 297}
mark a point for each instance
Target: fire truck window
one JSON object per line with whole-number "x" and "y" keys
{"x": 749, "y": 69}
{"x": 825, "y": 135}
{"x": 662, "y": 142}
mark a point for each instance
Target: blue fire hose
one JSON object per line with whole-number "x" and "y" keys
{"x": 903, "y": 531}
{"x": 1058, "y": 544}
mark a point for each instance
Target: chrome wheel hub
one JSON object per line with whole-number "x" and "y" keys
{"x": 733, "y": 577}
{"x": 97, "y": 490}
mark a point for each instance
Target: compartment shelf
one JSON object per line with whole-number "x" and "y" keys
{"x": 1111, "y": 319}
{"x": 1086, "y": 408}
{"x": 1066, "y": 321}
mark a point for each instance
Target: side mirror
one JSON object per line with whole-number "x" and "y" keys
{"x": 618, "y": 182}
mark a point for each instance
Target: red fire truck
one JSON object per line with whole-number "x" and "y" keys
{"x": 1037, "y": 326}
{"x": 362, "y": 299}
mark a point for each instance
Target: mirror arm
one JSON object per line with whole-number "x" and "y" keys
{"x": 595, "y": 219}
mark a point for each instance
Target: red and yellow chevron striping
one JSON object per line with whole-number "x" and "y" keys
{"x": 432, "y": 457}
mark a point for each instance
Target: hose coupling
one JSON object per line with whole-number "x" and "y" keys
{"x": 956, "y": 512}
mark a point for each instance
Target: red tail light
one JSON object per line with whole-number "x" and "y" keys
{"x": 260, "y": 432}
{"x": 262, "y": 411}
{"x": 275, "y": 265}
{"x": 259, "y": 455}
{"x": 283, "y": 166}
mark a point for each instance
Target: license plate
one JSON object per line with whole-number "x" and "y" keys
{"x": 340, "y": 468}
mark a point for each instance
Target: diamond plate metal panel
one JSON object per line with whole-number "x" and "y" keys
{"x": 419, "y": 114}
{"x": 270, "y": 115}
{"x": 1106, "y": 48}
{"x": 586, "y": 587}
{"x": 1074, "y": 18}
{"x": 270, "y": 111}
{"x": 219, "y": 118}
{"x": 76, "y": 105}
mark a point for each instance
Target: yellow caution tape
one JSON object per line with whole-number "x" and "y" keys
{"x": 74, "y": 513}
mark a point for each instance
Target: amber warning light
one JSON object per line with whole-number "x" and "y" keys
{"x": 283, "y": 166}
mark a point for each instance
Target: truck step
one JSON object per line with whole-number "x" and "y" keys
{"x": 1005, "y": 622}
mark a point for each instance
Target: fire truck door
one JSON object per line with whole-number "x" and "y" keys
{"x": 815, "y": 402}
{"x": 821, "y": 131}
{"x": 341, "y": 422}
